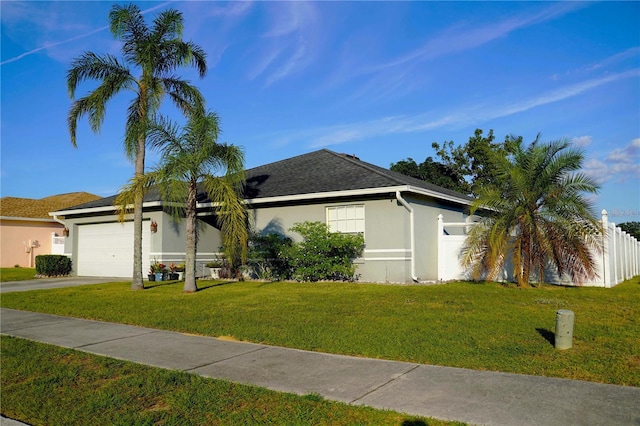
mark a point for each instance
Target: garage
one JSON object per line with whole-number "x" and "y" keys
{"x": 106, "y": 250}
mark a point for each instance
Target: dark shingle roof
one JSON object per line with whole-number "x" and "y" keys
{"x": 316, "y": 172}
{"x": 326, "y": 171}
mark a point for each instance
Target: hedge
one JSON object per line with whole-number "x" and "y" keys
{"x": 53, "y": 265}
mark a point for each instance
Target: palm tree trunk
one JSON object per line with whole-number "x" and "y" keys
{"x": 137, "y": 283}
{"x": 526, "y": 260}
{"x": 191, "y": 241}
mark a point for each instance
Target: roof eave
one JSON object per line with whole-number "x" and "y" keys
{"x": 26, "y": 219}
{"x": 440, "y": 195}
{"x": 294, "y": 198}
{"x": 99, "y": 209}
{"x": 350, "y": 193}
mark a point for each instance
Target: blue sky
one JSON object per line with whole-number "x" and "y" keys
{"x": 382, "y": 80}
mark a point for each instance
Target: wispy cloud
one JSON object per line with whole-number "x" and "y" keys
{"x": 471, "y": 114}
{"x": 71, "y": 39}
{"x": 565, "y": 92}
{"x": 629, "y": 53}
{"x": 290, "y": 44}
{"x": 457, "y": 38}
{"x": 50, "y": 45}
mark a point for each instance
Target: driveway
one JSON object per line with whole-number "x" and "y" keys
{"x": 46, "y": 283}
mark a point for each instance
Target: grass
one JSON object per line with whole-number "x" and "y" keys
{"x": 17, "y": 274}
{"x": 48, "y": 385}
{"x": 484, "y": 326}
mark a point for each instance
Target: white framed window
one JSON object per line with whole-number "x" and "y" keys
{"x": 346, "y": 219}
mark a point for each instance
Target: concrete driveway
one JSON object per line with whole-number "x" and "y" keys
{"x": 46, "y": 283}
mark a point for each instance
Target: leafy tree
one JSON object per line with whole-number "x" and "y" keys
{"x": 537, "y": 213}
{"x": 474, "y": 159}
{"x": 154, "y": 53}
{"x": 631, "y": 228}
{"x": 323, "y": 255}
{"x": 191, "y": 157}
{"x": 433, "y": 172}
{"x": 465, "y": 168}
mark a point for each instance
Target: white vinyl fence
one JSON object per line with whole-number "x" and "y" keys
{"x": 57, "y": 244}
{"x": 619, "y": 261}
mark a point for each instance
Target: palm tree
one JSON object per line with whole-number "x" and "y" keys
{"x": 154, "y": 54}
{"x": 190, "y": 157}
{"x": 538, "y": 213}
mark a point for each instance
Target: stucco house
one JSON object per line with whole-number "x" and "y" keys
{"x": 27, "y": 230}
{"x": 397, "y": 214}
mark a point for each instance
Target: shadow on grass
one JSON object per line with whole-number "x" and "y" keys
{"x": 414, "y": 423}
{"x": 153, "y": 284}
{"x": 549, "y": 336}
{"x": 212, "y": 284}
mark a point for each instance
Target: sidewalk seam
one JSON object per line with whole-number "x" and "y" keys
{"x": 385, "y": 384}
{"x": 117, "y": 338}
{"x": 224, "y": 359}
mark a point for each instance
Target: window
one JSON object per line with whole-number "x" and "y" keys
{"x": 346, "y": 219}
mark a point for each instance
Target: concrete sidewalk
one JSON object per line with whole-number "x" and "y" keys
{"x": 47, "y": 283}
{"x": 476, "y": 397}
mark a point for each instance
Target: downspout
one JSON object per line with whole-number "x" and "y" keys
{"x": 412, "y": 233}
{"x": 55, "y": 217}
{"x": 61, "y": 222}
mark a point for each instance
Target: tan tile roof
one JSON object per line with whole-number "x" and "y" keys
{"x": 28, "y": 207}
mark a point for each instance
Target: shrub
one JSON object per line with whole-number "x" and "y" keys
{"x": 53, "y": 265}
{"x": 323, "y": 255}
{"x": 267, "y": 256}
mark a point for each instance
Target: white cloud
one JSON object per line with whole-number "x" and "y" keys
{"x": 620, "y": 164}
{"x": 582, "y": 141}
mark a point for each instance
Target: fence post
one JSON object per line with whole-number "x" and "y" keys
{"x": 440, "y": 248}
{"x": 614, "y": 245}
{"x": 606, "y": 264}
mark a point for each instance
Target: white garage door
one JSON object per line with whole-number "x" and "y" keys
{"x": 106, "y": 250}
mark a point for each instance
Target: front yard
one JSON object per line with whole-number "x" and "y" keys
{"x": 17, "y": 274}
{"x": 484, "y": 326}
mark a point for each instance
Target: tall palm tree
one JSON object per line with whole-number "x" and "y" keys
{"x": 153, "y": 53}
{"x": 537, "y": 213}
{"x": 191, "y": 157}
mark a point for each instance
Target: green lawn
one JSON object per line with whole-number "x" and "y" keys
{"x": 484, "y": 326}
{"x": 17, "y": 274}
{"x": 48, "y": 385}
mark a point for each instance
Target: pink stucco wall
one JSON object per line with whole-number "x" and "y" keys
{"x": 14, "y": 236}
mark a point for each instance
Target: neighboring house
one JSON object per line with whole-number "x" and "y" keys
{"x": 397, "y": 214}
{"x": 27, "y": 230}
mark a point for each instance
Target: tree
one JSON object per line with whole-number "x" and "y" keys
{"x": 631, "y": 228}
{"x": 537, "y": 213}
{"x": 154, "y": 53}
{"x": 190, "y": 157}
{"x": 465, "y": 168}
{"x": 433, "y": 172}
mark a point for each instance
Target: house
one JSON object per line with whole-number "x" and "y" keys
{"x": 397, "y": 214}
{"x": 27, "y": 230}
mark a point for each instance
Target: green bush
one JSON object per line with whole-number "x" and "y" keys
{"x": 323, "y": 255}
{"x": 53, "y": 265}
{"x": 267, "y": 256}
